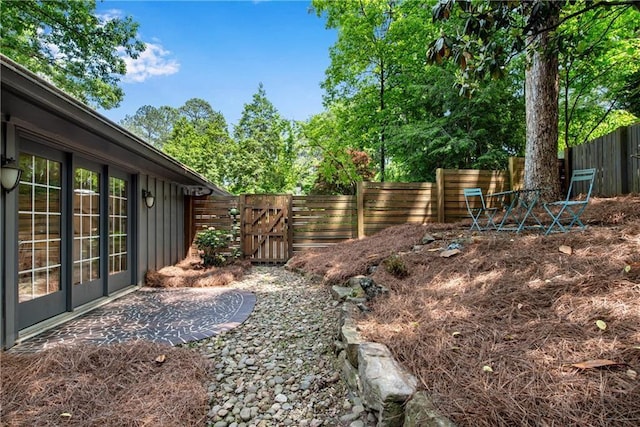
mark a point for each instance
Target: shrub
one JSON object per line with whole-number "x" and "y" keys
{"x": 213, "y": 246}
{"x": 396, "y": 266}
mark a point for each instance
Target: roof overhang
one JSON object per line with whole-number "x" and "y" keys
{"x": 143, "y": 156}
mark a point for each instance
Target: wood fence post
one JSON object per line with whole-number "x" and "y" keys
{"x": 289, "y": 222}
{"x": 360, "y": 189}
{"x": 440, "y": 190}
{"x": 568, "y": 169}
{"x": 512, "y": 171}
{"x": 625, "y": 179}
{"x": 241, "y": 203}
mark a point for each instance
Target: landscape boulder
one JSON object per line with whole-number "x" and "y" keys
{"x": 351, "y": 339}
{"x": 386, "y": 386}
{"x": 371, "y": 288}
{"x": 420, "y": 412}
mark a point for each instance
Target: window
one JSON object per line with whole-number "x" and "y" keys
{"x": 118, "y": 193}
{"x": 39, "y": 230}
{"x": 86, "y": 226}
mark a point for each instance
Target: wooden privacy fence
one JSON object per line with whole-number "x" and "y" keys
{"x": 275, "y": 227}
{"x": 616, "y": 156}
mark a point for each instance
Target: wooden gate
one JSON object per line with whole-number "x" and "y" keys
{"x": 266, "y": 236}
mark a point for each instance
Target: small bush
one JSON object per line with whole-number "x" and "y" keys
{"x": 396, "y": 266}
{"x": 213, "y": 246}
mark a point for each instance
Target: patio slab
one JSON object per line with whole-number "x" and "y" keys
{"x": 172, "y": 316}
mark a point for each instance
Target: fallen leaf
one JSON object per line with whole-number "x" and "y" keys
{"x": 487, "y": 368}
{"x": 632, "y": 374}
{"x": 566, "y": 249}
{"x": 596, "y": 363}
{"x": 456, "y": 334}
{"x": 161, "y": 358}
{"x": 449, "y": 253}
{"x": 65, "y": 415}
{"x": 520, "y": 305}
{"x": 601, "y": 324}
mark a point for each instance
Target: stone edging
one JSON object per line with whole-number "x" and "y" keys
{"x": 386, "y": 389}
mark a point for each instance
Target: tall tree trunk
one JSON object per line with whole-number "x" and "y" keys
{"x": 383, "y": 124}
{"x": 541, "y": 96}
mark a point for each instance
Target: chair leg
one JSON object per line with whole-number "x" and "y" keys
{"x": 474, "y": 221}
{"x": 490, "y": 221}
{"x": 576, "y": 218}
{"x": 556, "y": 220}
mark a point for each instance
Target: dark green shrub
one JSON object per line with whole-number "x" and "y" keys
{"x": 396, "y": 266}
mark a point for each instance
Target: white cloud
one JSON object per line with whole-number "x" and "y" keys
{"x": 109, "y": 15}
{"x": 154, "y": 61}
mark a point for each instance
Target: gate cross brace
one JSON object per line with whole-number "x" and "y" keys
{"x": 269, "y": 227}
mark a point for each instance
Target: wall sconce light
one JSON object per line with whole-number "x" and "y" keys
{"x": 149, "y": 200}
{"x": 10, "y": 173}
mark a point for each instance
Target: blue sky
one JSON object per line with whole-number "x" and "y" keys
{"x": 220, "y": 51}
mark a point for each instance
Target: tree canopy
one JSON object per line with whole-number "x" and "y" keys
{"x": 412, "y": 88}
{"x": 485, "y": 36}
{"x": 67, "y": 42}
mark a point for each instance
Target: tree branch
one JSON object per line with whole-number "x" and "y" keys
{"x": 627, "y": 4}
{"x": 604, "y": 116}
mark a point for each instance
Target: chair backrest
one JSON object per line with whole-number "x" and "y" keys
{"x": 473, "y": 192}
{"x": 582, "y": 175}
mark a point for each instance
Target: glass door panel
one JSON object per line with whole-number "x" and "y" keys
{"x": 40, "y": 220}
{"x": 41, "y": 293}
{"x": 86, "y": 276}
{"x": 119, "y": 239}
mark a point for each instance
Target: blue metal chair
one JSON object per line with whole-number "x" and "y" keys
{"x": 569, "y": 211}
{"x": 477, "y": 210}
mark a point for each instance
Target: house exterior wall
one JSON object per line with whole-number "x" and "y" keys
{"x": 160, "y": 228}
{"x": 40, "y": 124}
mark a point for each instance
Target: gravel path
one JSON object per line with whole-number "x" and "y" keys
{"x": 278, "y": 368}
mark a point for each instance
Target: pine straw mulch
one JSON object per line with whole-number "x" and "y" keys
{"x": 116, "y": 385}
{"x": 517, "y": 305}
{"x": 190, "y": 273}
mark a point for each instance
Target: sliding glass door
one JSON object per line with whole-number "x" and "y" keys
{"x": 74, "y": 232}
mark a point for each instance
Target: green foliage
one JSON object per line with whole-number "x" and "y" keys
{"x": 482, "y": 37}
{"x": 213, "y": 247}
{"x": 372, "y": 35}
{"x": 340, "y": 166}
{"x": 630, "y": 95}
{"x": 383, "y": 100}
{"x": 599, "y": 57}
{"x": 395, "y": 266}
{"x": 202, "y": 146}
{"x": 442, "y": 130}
{"x": 264, "y": 152}
{"x": 67, "y": 42}
{"x": 152, "y": 124}
{"x": 339, "y": 172}
{"x": 199, "y": 113}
